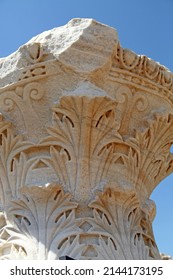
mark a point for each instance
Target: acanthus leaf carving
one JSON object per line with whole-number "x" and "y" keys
{"x": 107, "y": 148}
{"x": 80, "y": 186}
{"x": 154, "y": 157}
{"x": 116, "y": 221}
{"x": 41, "y": 224}
{"x": 78, "y": 120}
{"x": 11, "y": 168}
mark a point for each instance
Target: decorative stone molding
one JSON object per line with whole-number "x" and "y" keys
{"x": 85, "y": 134}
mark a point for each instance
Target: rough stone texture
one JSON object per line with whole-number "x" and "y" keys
{"x": 85, "y": 137}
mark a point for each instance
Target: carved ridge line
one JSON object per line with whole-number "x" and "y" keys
{"x": 160, "y": 90}
{"x": 135, "y": 75}
{"x": 21, "y": 82}
{"x": 139, "y": 63}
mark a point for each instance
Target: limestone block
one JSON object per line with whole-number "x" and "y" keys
{"x": 85, "y": 134}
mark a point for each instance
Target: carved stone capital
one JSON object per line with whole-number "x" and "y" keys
{"x": 85, "y": 134}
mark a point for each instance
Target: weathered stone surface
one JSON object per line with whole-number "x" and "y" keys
{"x": 83, "y": 45}
{"x": 85, "y": 137}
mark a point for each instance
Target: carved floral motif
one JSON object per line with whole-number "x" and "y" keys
{"x": 21, "y": 99}
{"x": 77, "y": 120}
{"x": 34, "y": 53}
{"x": 121, "y": 214}
{"x": 43, "y": 225}
{"x": 80, "y": 184}
{"x": 144, "y": 66}
{"x": 139, "y": 71}
{"x": 117, "y": 220}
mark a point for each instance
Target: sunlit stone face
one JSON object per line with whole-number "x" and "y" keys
{"x": 85, "y": 134}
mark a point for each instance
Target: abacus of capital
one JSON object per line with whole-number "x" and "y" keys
{"x": 85, "y": 134}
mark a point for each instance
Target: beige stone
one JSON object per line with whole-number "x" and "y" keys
{"x": 165, "y": 257}
{"x": 85, "y": 136}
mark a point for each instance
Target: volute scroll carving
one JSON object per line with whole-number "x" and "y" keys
{"x": 83, "y": 143}
{"x": 21, "y": 99}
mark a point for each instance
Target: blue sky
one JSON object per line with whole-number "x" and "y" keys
{"x": 144, "y": 26}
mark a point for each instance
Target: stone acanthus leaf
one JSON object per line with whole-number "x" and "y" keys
{"x": 77, "y": 120}
{"x": 116, "y": 225}
{"x": 37, "y": 232}
{"x": 153, "y": 156}
{"x": 85, "y": 137}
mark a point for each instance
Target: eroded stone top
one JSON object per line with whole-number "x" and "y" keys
{"x": 85, "y": 136}
{"x": 82, "y": 44}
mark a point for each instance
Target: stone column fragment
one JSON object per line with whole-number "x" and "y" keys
{"x": 85, "y": 134}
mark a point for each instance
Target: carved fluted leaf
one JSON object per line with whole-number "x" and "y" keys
{"x": 37, "y": 230}
{"x": 116, "y": 225}
{"x": 75, "y": 121}
{"x": 155, "y": 161}
{"x": 11, "y": 171}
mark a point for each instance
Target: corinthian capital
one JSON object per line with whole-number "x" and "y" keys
{"x": 85, "y": 134}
